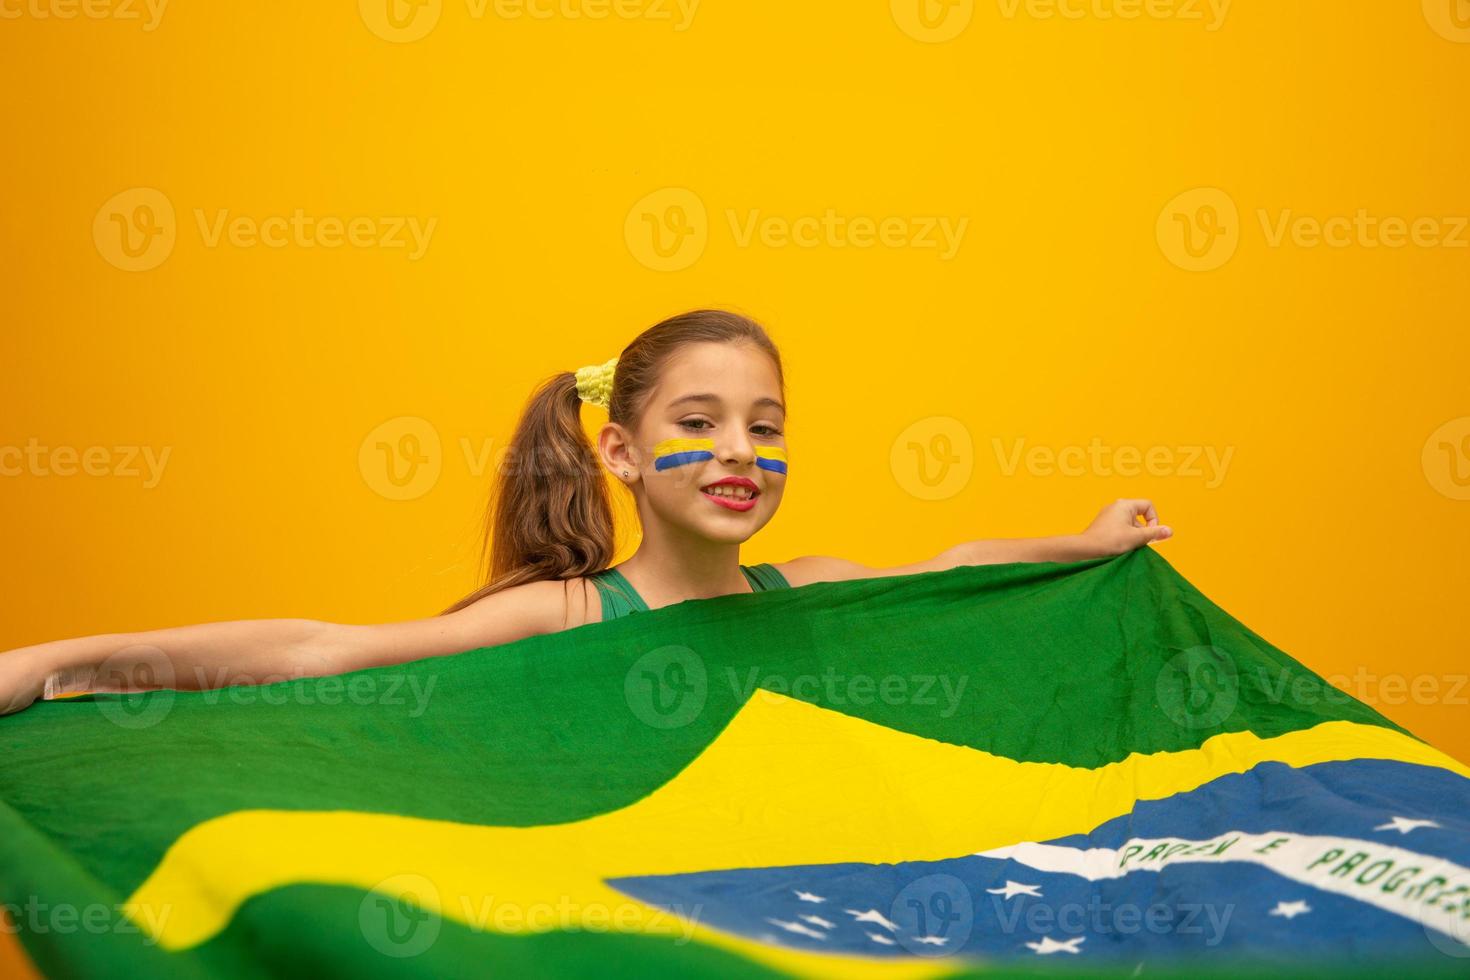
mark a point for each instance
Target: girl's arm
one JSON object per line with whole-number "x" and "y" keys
{"x": 1113, "y": 532}
{"x": 262, "y": 651}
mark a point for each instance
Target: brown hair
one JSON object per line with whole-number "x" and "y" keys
{"x": 550, "y": 516}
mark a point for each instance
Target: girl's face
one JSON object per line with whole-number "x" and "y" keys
{"x": 715, "y": 416}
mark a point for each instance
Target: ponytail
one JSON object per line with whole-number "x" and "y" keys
{"x": 550, "y": 516}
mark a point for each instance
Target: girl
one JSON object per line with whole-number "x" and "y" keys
{"x": 696, "y": 420}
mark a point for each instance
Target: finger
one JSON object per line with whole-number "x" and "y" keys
{"x": 1159, "y": 533}
{"x": 1144, "y": 509}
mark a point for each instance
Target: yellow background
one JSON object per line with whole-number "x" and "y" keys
{"x": 1337, "y": 532}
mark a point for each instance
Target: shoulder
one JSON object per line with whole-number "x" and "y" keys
{"x": 547, "y": 606}
{"x": 820, "y": 568}
{"x": 568, "y": 602}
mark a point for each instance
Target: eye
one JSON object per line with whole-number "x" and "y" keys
{"x": 771, "y": 430}
{"x": 694, "y": 425}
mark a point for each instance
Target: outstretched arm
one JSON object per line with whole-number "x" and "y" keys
{"x": 1114, "y": 531}
{"x": 263, "y": 651}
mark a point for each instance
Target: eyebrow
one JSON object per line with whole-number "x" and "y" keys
{"x": 707, "y": 397}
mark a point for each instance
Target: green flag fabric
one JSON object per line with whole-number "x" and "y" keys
{"x": 1002, "y": 770}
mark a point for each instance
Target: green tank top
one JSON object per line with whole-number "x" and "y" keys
{"x": 619, "y": 598}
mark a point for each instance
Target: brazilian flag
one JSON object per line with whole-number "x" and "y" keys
{"x": 1084, "y": 768}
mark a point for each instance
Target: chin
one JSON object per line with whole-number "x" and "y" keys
{"x": 729, "y": 527}
{"x": 728, "y": 530}
{"x": 725, "y": 535}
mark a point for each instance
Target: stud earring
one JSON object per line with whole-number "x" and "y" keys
{"x": 625, "y": 472}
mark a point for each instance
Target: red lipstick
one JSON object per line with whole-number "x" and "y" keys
{"x": 736, "y": 500}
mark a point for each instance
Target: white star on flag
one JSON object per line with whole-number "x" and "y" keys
{"x": 1403, "y": 824}
{"x": 1014, "y": 888}
{"x": 931, "y": 940}
{"x": 797, "y": 928}
{"x": 1291, "y": 909}
{"x": 880, "y": 939}
{"x": 1048, "y": 945}
{"x": 807, "y": 896}
{"x": 873, "y": 916}
{"x": 817, "y": 920}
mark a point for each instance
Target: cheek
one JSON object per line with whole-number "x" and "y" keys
{"x": 675, "y": 480}
{"x": 771, "y": 459}
{"x": 676, "y": 455}
{"x": 678, "y": 463}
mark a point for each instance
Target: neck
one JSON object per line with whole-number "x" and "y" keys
{"x": 669, "y": 567}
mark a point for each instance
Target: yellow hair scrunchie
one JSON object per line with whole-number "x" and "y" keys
{"x": 595, "y": 381}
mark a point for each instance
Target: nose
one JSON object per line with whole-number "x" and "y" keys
{"x": 736, "y": 450}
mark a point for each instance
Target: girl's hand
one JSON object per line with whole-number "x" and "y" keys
{"x": 1115, "y": 530}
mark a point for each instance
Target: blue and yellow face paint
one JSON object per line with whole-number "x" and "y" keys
{"x": 771, "y": 458}
{"x": 678, "y": 452}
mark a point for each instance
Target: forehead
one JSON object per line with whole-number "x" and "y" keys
{"x": 739, "y": 374}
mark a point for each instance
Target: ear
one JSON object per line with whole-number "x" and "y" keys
{"x": 616, "y": 447}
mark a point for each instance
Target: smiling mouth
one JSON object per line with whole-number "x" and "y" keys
{"x": 728, "y": 492}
